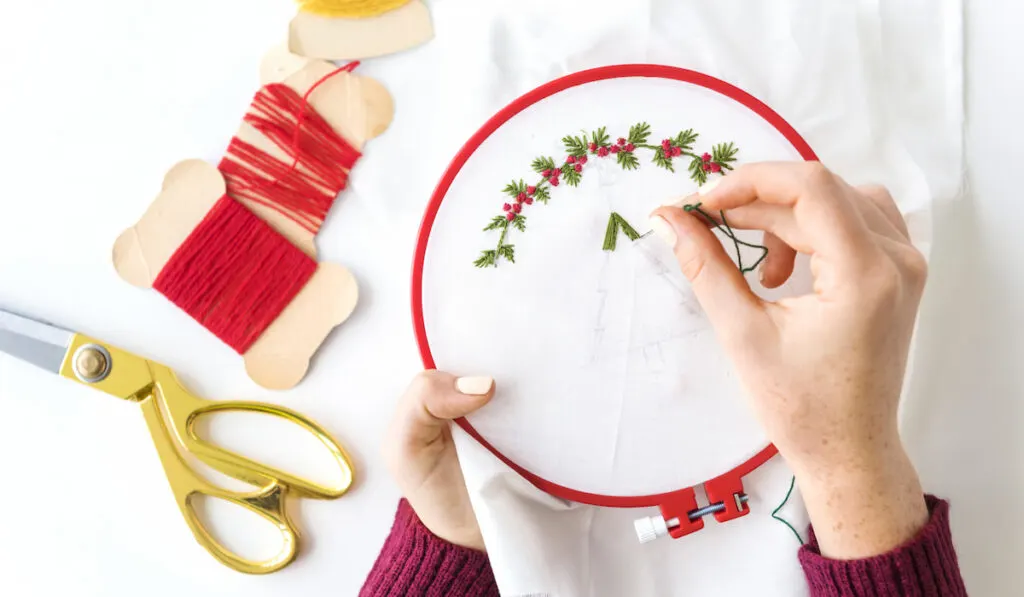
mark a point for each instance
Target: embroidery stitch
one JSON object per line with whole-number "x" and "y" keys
{"x": 598, "y": 143}
{"x": 611, "y": 235}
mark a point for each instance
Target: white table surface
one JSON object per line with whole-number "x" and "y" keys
{"x": 99, "y": 99}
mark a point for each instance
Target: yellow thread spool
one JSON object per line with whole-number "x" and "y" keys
{"x": 350, "y": 8}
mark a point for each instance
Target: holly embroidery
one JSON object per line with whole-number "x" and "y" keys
{"x": 598, "y": 145}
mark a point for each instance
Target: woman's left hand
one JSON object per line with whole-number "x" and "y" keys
{"x": 421, "y": 454}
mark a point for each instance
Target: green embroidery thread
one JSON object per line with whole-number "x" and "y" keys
{"x": 775, "y": 512}
{"x": 727, "y": 230}
{"x": 617, "y": 223}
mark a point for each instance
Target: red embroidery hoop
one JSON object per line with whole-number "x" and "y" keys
{"x": 725, "y": 492}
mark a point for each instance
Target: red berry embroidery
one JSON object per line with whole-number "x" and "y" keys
{"x": 579, "y": 167}
{"x": 707, "y": 167}
{"x": 630, "y": 148}
{"x": 546, "y": 173}
{"x": 615, "y": 149}
{"x": 622, "y": 140}
{"x": 521, "y": 197}
{"x": 677, "y": 151}
{"x": 510, "y": 216}
{"x": 592, "y": 147}
{"x": 715, "y": 167}
{"x": 602, "y": 152}
{"x": 506, "y": 207}
{"x": 517, "y": 208}
{"x": 554, "y": 181}
{"x": 528, "y": 201}
{"x": 666, "y": 144}
{"x": 570, "y": 160}
{"x": 531, "y": 190}
{"x": 582, "y": 159}
{"x": 706, "y": 157}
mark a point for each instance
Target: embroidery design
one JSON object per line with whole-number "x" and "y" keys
{"x": 598, "y": 144}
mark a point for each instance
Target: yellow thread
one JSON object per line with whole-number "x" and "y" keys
{"x": 350, "y": 8}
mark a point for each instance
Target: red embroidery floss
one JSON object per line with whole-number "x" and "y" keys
{"x": 322, "y": 159}
{"x": 234, "y": 274}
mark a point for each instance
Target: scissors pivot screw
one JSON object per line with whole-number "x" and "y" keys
{"x": 92, "y": 363}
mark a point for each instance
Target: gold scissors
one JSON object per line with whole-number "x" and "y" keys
{"x": 171, "y": 413}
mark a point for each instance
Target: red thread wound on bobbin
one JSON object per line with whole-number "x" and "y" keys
{"x": 234, "y": 274}
{"x": 305, "y": 190}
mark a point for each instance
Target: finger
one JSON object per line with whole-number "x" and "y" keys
{"x": 717, "y": 282}
{"x": 433, "y": 399}
{"x": 822, "y": 210}
{"x": 778, "y": 265}
{"x": 882, "y": 200}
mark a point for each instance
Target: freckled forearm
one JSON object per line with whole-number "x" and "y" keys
{"x": 864, "y": 508}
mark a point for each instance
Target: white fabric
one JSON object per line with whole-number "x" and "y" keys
{"x": 101, "y": 98}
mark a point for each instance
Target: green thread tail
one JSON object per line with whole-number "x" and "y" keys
{"x": 727, "y": 230}
{"x": 775, "y": 512}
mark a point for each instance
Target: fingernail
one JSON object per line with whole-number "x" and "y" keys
{"x": 707, "y": 188}
{"x": 474, "y": 386}
{"x": 760, "y": 274}
{"x": 664, "y": 230}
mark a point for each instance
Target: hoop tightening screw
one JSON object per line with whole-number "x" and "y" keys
{"x": 650, "y": 528}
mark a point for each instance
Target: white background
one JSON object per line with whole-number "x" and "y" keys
{"x": 98, "y": 99}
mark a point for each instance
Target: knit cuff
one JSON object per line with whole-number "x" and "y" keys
{"x": 414, "y": 562}
{"x": 926, "y": 566}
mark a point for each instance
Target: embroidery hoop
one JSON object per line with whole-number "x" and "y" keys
{"x": 679, "y": 508}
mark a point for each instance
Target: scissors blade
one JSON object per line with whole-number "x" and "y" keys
{"x": 39, "y": 343}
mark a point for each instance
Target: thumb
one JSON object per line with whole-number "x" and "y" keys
{"x": 722, "y": 290}
{"x": 433, "y": 399}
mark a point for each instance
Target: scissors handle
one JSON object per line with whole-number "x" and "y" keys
{"x": 184, "y": 410}
{"x": 171, "y": 413}
{"x": 187, "y": 486}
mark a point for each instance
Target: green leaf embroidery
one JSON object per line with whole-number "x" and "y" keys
{"x": 571, "y": 176}
{"x": 628, "y": 160}
{"x": 611, "y": 234}
{"x": 722, "y": 158}
{"x": 543, "y": 163}
{"x": 542, "y": 194}
{"x": 697, "y": 172}
{"x": 724, "y": 154}
{"x": 628, "y": 230}
{"x": 496, "y": 223}
{"x": 639, "y": 133}
{"x": 662, "y": 161}
{"x": 508, "y": 252}
{"x": 487, "y": 259}
{"x": 685, "y": 140}
{"x": 575, "y": 146}
{"x": 514, "y": 188}
{"x": 616, "y": 224}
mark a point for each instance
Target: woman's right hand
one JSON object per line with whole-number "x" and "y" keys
{"x": 825, "y": 370}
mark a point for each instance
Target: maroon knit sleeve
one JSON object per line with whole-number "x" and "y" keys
{"x": 417, "y": 563}
{"x": 924, "y": 567}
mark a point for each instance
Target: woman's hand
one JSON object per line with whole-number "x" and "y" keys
{"x": 421, "y": 455}
{"x": 824, "y": 371}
